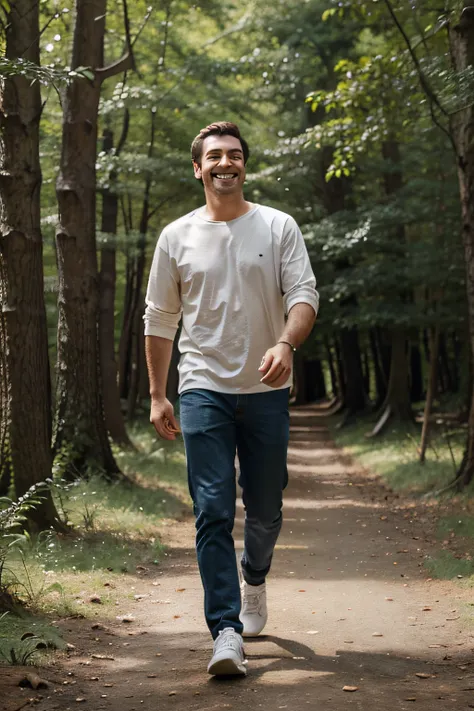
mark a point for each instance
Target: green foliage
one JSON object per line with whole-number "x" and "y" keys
{"x": 394, "y": 456}
{"x": 24, "y": 639}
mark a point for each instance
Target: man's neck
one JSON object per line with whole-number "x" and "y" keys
{"x": 224, "y": 209}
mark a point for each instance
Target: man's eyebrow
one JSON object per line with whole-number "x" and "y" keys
{"x": 220, "y": 150}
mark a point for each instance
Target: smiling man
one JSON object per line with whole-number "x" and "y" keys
{"x": 239, "y": 276}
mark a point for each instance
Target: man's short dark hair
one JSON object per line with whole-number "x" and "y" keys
{"x": 220, "y": 128}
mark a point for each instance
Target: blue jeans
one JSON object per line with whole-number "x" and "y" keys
{"x": 215, "y": 426}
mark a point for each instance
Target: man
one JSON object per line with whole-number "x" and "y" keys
{"x": 231, "y": 270}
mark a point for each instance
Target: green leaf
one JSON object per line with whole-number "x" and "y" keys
{"x": 328, "y": 13}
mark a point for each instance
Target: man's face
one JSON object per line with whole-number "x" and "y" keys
{"x": 222, "y": 168}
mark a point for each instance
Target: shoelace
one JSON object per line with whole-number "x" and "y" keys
{"x": 229, "y": 640}
{"x": 252, "y": 601}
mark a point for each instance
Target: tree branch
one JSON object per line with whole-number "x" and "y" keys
{"x": 423, "y": 81}
{"x": 432, "y": 98}
{"x": 127, "y": 61}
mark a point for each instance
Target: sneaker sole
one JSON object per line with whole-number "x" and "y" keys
{"x": 252, "y": 634}
{"x": 226, "y": 667}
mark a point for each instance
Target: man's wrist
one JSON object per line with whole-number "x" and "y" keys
{"x": 288, "y": 343}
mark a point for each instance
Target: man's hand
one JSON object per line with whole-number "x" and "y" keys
{"x": 276, "y": 365}
{"x": 163, "y": 419}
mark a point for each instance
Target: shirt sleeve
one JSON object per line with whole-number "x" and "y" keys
{"x": 298, "y": 282}
{"x": 163, "y": 300}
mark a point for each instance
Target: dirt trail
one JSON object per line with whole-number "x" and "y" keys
{"x": 349, "y": 601}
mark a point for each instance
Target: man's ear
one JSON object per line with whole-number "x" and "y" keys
{"x": 197, "y": 170}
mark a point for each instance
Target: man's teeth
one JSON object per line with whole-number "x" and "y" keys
{"x": 225, "y": 176}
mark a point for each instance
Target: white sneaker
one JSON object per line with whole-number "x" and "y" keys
{"x": 254, "y": 613}
{"x": 228, "y": 658}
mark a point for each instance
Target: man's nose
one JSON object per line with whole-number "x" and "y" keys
{"x": 225, "y": 161}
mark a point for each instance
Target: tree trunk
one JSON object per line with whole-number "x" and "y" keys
{"x": 315, "y": 383}
{"x": 397, "y": 401}
{"x": 25, "y": 388}
{"x": 379, "y": 373}
{"x": 332, "y": 368}
{"x": 300, "y": 379}
{"x": 431, "y": 393}
{"x": 133, "y": 332}
{"x": 80, "y": 434}
{"x": 114, "y": 420}
{"x": 444, "y": 365}
{"x": 355, "y": 397}
{"x": 461, "y": 39}
{"x": 416, "y": 374}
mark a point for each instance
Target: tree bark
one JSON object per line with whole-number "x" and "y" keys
{"x": 114, "y": 419}
{"x": 80, "y": 433}
{"x": 25, "y": 388}
{"x": 461, "y": 38}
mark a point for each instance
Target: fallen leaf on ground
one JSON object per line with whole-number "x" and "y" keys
{"x": 389, "y": 599}
{"x": 312, "y": 632}
{"x": 423, "y": 675}
{"x": 96, "y": 599}
{"x": 103, "y": 656}
{"x": 377, "y": 634}
{"x": 172, "y": 693}
{"x": 350, "y": 688}
{"x": 426, "y": 609}
{"x": 180, "y": 589}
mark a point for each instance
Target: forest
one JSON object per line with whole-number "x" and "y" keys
{"x": 360, "y": 122}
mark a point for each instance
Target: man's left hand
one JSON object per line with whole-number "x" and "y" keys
{"x": 276, "y": 365}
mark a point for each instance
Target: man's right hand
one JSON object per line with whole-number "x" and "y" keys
{"x": 163, "y": 419}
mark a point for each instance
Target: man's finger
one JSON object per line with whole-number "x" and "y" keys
{"x": 160, "y": 427}
{"x": 267, "y": 360}
{"x": 274, "y": 372}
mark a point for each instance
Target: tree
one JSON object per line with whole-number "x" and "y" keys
{"x": 80, "y": 432}
{"x": 25, "y": 393}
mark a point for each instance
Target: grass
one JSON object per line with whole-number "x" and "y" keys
{"x": 393, "y": 455}
{"x": 115, "y": 529}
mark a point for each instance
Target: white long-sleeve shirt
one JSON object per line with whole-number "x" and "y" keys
{"x": 232, "y": 283}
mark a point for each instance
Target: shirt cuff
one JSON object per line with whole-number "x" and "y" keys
{"x": 306, "y": 296}
{"x": 161, "y": 323}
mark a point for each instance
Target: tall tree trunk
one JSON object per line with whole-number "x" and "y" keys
{"x": 80, "y": 434}
{"x": 379, "y": 373}
{"x": 461, "y": 39}
{"x": 25, "y": 388}
{"x": 416, "y": 374}
{"x": 397, "y": 401}
{"x": 355, "y": 397}
{"x": 430, "y": 393}
{"x": 114, "y": 419}
{"x": 300, "y": 379}
{"x": 131, "y": 342}
{"x": 315, "y": 384}
{"x": 332, "y": 368}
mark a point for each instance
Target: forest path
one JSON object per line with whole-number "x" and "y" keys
{"x": 349, "y": 605}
